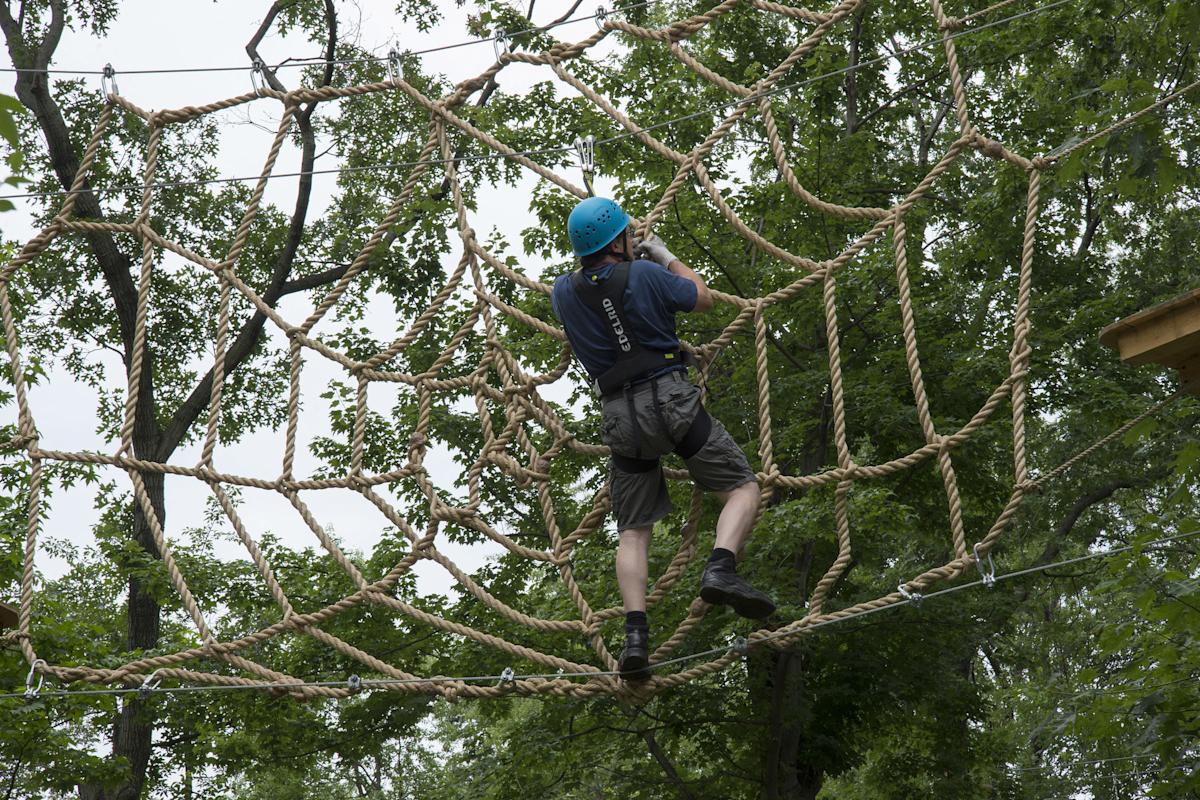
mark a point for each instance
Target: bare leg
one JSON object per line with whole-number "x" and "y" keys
{"x": 737, "y": 516}
{"x": 633, "y": 553}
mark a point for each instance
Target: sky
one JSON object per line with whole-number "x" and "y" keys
{"x": 202, "y": 33}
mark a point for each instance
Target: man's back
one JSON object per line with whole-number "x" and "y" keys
{"x": 652, "y": 297}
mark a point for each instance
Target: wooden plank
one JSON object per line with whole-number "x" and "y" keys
{"x": 1168, "y": 333}
{"x": 8, "y": 616}
{"x": 1189, "y": 376}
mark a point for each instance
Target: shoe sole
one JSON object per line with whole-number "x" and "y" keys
{"x": 749, "y": 607}
{"x": 634, "y": 668}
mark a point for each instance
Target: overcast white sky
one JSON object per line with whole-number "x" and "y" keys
{"x": 202, "y": 33}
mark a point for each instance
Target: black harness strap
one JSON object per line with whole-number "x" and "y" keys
{"x": 636, "y": 465}
{"x": 696, "y": 435}
{"x": 634, "y": 362}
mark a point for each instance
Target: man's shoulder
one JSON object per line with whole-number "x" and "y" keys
{"x": 643, "y": 270}
{"x": 562, "y": 282}
{"x": 645, "y": 265}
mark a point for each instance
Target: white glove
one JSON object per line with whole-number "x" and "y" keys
{"x": 655, "y": 249}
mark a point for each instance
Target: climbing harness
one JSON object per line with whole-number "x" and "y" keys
{"x": 636, "y": 365}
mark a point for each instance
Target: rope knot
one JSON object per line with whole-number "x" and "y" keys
{"x": 1028, "y": 487}
{"x": 1039, "y": 163}
{"x": 953, "y": 24}
{"x": 989, "y": 147}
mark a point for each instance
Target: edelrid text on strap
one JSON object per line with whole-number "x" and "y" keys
{"x": 634, "y": 362}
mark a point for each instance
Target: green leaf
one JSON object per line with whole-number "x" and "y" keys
{"x": 1140, "y": 431}
{"x": 8, "y": 129}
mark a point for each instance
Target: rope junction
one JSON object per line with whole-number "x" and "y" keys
{"x": 355, "y": 684}
{"x": 533, "y": 434}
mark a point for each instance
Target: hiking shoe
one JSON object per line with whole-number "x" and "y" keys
{"x": 635, "y": 658}
{"x": 721, "y": 586}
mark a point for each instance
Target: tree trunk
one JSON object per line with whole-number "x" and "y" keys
{"x": 787, "y": 775}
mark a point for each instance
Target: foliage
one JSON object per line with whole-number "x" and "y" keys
{"x": 1076, "y": 682}
{"x": 10, "y": 110}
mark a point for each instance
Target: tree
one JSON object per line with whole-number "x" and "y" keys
{"x": 962, "y": 697}
{"x": 96, "y": 291}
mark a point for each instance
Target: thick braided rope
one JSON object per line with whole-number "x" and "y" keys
{"x": 522, "y": 449}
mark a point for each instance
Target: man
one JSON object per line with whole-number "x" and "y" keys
{"x": 619, "y": 315}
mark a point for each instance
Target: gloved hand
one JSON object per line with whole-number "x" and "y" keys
{"x": 655, "y": 249}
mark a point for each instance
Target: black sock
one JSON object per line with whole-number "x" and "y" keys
{"x": 636, "y": 620}
{"x": 724, "y": 557}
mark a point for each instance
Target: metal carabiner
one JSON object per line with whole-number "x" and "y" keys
{"x": 501, "y": 44}
{"x": 148, "y": 686}
{"x": 108, "y": 81}
{"x": 393, "y": 66}
{"x": 601, "y": 16}
{"x": 989, "y": 577}
{"x": 31, "y": 691}
{"x": 914, "y": 598}
{"x": 258, "y": 76}
{"x": 585, "y": 148}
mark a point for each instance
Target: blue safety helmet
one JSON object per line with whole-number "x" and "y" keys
{"x": 594, "y": 223}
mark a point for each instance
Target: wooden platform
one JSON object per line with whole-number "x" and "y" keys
{"x": 8, "y": 616}
{"x": 1167, "y": 334}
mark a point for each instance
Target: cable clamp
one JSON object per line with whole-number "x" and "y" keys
{"x": 740, "y": 645}
{"x": 258, "y": 76}
{"x": 601, "y": 16}
{"x": 108, "y": 81}
{"x": 148, "y": 686}
{"x": 31, "y": 691}
{"x": 354, "y": 683}
{"x": 914, "y": 598}
{"x": 507, "y": 676}
{"x": 989, "y": 577}
{"x": 393, "y": 65}
{"x": 585, "y": 148}
{"x": 502, "y": 45}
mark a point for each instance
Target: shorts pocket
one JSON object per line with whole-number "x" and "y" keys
{"x": 679, "y": 408}
{"x": 615, "y": 432}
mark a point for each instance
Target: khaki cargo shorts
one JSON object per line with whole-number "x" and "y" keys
{"x": 640, "y": 498}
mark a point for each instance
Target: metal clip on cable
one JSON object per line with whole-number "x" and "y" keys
{"x": 354, "y": 683}
{"x": 740, "y": 645}
{"x": 108, "y": 81}
{"x": 914, "y": 598}
{"x": 989, "y": 577}
{"x": 393, "y": 66}
{"x": 258, "y": 77}
{"x": 601, "y": 16}
{"x": 31, "y": 691}
{"x": 585, "y": 147}
{"x": 151, "y": 683}
{"x": 502, "y": 44}
{"x": 507, "y": 676}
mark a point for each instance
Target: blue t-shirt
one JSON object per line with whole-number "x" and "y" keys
{"x": 653, "y": 296}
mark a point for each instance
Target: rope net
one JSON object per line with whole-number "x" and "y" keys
{"x": 533, "y": 433}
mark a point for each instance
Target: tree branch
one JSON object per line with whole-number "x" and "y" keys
{"x": 244, "y": 344}
{"x": 33, "y": 90}
{"x": 1092, "y": 214}
{"x": 667, "y": 767}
